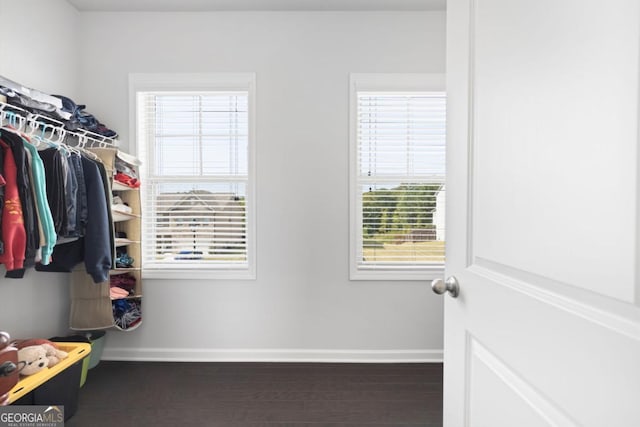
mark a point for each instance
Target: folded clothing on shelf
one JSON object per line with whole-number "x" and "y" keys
{"x": 125, "y": 281}
{"x": 123, "y": 260}
{"x": 126, "y": 173}
{"x": 60, "y": 108}
{"x": 118, "y": 205}
{"x": 126, "y": 313}
{"x": 118, "y": 293}
{"x": 83, "y": 119}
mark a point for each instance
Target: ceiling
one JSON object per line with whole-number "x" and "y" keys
{"x": 262, "y": 5}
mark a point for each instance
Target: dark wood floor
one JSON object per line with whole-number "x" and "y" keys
{"x": 141, "y": 394}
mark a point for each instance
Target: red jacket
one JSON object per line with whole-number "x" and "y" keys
{"x": 13, "y": 232}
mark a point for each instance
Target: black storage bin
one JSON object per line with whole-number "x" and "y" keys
{"x": 60, "y": 390}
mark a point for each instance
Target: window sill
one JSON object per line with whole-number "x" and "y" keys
{"x": 189, "y": 274}
{"x": 390, "y": 274}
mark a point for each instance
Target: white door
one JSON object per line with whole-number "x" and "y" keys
{"x": 543, "y": 217}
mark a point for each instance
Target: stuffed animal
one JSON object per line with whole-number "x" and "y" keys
{"x": 38, "y": 357}
{"x": 34, "y": 359}
{"x": 31, "y": 341}
{"x": 54, "y": 355}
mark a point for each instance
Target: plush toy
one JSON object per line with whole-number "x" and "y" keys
{"x": 38, "y": 357}
{"x": 34, "y": 359}
{"x": 31, "y": 341}
{"x": 54, "y": 355}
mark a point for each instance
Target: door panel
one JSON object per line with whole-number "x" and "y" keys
{"x": 573, "y": 362}
{"x": 543, "y": 213}
{"x": 511, "y": 397}
{"x": 547, "y": 103}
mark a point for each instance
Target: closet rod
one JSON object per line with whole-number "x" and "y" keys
{"x": 19, "y": 119}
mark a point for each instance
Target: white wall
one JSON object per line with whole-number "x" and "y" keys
{"x": 39, "y": 44}
{"x": 302, "y": 304}
{"x": 38, "y": 48}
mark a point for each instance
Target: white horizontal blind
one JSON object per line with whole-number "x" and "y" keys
{"x": 196, "y": 148}
{"x": 400, "y": 180}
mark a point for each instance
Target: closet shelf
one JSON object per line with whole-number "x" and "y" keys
{"x": 128, "y": 297}
{"x": 126, "y": 215}
{"x": 116, "y": 271}
{"x": 128, "y": 329}
{"x": 55, "y": 130}
{"x": 120, "y": 242}
{"x": 117, "y": 186}
{"x": 92, "y": 306}
{"x": 121, "y": 216}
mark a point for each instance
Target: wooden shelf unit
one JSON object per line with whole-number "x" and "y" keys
{"x": 130, "y": 224}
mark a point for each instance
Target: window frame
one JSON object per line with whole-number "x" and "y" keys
{"x": 202, "y": 82}
{"x": 381, "y": 82}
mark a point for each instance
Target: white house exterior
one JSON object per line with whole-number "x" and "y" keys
{"x": 439, "y": 214}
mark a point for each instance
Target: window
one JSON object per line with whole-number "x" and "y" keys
{"x": 195, "y": 139}
{"x": 397, "y": 176}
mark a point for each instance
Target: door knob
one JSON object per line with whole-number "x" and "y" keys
{"x": 440, "y": 286}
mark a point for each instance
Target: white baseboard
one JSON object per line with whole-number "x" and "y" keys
{"x": 272, "y": 355}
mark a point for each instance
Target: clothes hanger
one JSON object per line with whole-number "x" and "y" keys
{"x": 73, "y": 149}
{"x": 13, "y": 114}
{"x": 44, "y": 131}
{"x": 81, "y": 147}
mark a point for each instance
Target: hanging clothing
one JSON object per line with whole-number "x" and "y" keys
{"x": 70, "y": 194}
{"x": 54, "y": 176}
{"x": 41, "y": 239}
{"x": 55, "y": 204}
{"x": 13, "y": 231}
{"x": 27, "y": 203}
{"x": 3, "y": 184}
{"x": 99, "y": 237}
{"x": 95, "y": 247}
{"x": 106, "y": 183}
{"x": 39, "y": 184}
{"x": 81, "y": 196}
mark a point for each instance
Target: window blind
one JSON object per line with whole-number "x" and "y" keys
{"x": 195, "y": 152}
{"x": 400, "y": 179}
